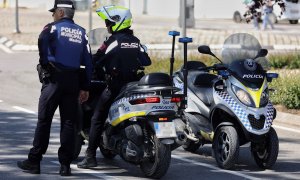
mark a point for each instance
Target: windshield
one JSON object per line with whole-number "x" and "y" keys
{"x": 242, "y": 46}
{"x": 97, "y": 37}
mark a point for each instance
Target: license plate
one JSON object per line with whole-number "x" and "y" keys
{"x": 164, "y": 129}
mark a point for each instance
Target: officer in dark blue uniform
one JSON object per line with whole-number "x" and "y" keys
{"x": 63, "y": 48}
{"x": 122, "y": 56}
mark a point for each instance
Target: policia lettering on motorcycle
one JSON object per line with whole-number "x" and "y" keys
{"x": 63, "y": 48}
{"x": 122, "y": 56}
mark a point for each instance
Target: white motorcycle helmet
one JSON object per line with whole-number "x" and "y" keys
{"x": 120, "y": 16}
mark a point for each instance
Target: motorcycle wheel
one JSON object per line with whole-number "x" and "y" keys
{"x": 158, "y": 164}
{"x": 191, "y": 146}
{"x": 108, "y": 154}
{"x": 226, "y": 147}
{"x": 266, "y": 158}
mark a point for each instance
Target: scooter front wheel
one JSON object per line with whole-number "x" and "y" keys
{"x": 226, "y": 147}
{"x": 265, "y": 155}
{"x": 108, "y": 154}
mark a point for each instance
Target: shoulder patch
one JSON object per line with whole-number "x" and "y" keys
{"x": 53, "y": 28}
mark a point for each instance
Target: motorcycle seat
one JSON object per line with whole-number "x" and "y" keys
{"x": 155, "y": 81}
{"x": 205, "y": 80}
{"x": 201, "y": 84}
{"x": 193, "y": 65}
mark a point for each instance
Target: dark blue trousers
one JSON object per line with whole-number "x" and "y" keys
{"x": 61, "y": 91}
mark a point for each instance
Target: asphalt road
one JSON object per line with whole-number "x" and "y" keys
{"x": 19, "y": 91}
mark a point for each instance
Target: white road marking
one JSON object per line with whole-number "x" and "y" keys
{"x": 213, "y": 167}
{"x": 5, "y": 49}
{"x": 99, "y": 174}
{"x": 29, "y": 111}
{"x": 24, "y": 110}
{"x": 1, "y": 101}
{"x": 32, "y": 112}
{"x": 286, "y": 129}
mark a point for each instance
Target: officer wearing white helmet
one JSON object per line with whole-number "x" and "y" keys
{"x": 122, "y": 56}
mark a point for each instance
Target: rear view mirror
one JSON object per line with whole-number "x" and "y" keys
{"x": 204, "y": 50}
{"x": 261, "y": 53}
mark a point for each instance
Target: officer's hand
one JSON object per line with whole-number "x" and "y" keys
{"x": 83, "y": 96}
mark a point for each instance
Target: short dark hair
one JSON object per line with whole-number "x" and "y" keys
{"x": 68, "y": 12}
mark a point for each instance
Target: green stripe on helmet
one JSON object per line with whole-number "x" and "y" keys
{"x": 125, "y": 24}
{"x": 103, "y": 15}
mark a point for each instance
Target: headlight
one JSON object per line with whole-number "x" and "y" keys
{"x": 243, "y": 96}
{"x": 264, "y": 98}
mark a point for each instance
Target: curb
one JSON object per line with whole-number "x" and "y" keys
{"x": 287, "y": 118}
{"x": 11, "y": 45}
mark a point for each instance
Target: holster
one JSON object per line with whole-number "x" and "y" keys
{"x": 43, "y": 73}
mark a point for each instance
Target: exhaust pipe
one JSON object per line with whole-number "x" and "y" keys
{"x": 182, "y": 135}
{"x": 181, "y": 138}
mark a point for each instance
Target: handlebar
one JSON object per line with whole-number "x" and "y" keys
{"x": 216, "y": 67}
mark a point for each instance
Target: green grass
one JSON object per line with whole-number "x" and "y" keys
{"x": 287, "y": 61}
{"x": 162, "y": 64}
{"x": 287, "y": 89}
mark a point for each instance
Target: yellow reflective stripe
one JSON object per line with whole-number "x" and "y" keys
{"x": 256, "y": 94}
{"x": 208, "y": 136}
{"x": 102, "y": 15}
{"x": 125, "y": 24}
{"x": 127, "y": 116}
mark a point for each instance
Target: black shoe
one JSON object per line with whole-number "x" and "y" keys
{"x": 65, "y": 170}
{"x": 29, "y": 167}
{"x": 87, "y": 162}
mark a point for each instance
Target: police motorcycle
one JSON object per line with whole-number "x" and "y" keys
{"x": 140, "y": 127}
{"x": 230, "y": 107}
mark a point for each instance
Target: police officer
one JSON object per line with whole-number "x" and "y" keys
{"x": 253, "y": 6}
{"x": 268, "y": 10}
{"x": 63, "y": 48}
{"x": 121, "y": 55}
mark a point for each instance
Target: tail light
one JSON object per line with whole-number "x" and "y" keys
{"x": 175, "y": 99}
{"x": 163, "y": 119}
{"x": 145, "y": 100}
